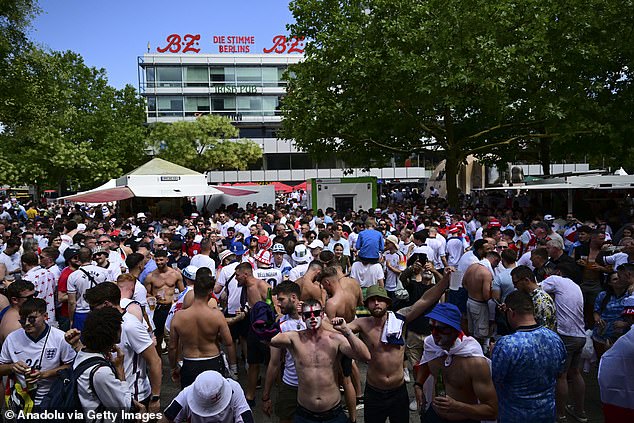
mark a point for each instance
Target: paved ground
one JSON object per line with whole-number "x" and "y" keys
{"x": 593, "y": 404}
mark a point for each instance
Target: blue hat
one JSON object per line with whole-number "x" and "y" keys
{"x": 237, "y": 248}
{"x": 448, "y": 314}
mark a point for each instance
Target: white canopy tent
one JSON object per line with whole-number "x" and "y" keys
{"x": 157, "y": 178}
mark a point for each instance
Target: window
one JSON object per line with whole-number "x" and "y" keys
{"x": 150, "y": 76}
{"x": 249, "y": 76}
{"x": 270, "y": 105}
{"x": 151, "y": 106}
{"x": 196, "y": 76}
{"x": 170, "y": 106}
{"x": 223, "y": 103}
{"x": 222, "y": 75}
{"x": 258, "y": 132}
{"x": 278, "y": 161}
{"x": 194, "y": 106}
{"x": 169, "y": 76}
{"x": 250, "y": 105}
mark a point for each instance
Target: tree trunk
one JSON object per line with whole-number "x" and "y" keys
{"x": 544, "y": 153}
{"x": 452, "y": 165}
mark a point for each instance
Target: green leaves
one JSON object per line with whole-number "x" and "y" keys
{"x": 468, "y": 77}
{"x": 206, "y": 143}
{"x": 63, "y": 124}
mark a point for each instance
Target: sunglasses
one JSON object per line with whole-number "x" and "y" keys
{"x": 105, "y": 241}
{"x": 310, "y": 314}
{"x": 442, "y": 330}
{"x": 33, "y": 295}
{"x": 30, "y": 319}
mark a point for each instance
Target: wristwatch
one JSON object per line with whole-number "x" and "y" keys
{"x": 155, "y": 398}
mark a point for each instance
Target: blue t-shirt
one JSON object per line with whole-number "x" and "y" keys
{"x": 610, "y": 314}
{"x": 370, "y": 244}
{"x": 525, "y": 366}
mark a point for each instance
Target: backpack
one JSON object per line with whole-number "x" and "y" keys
{"x": 264, "y": 321}
{"x": 63, "y": 395}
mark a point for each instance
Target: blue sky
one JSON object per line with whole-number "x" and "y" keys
{"x": 111, "y": 34}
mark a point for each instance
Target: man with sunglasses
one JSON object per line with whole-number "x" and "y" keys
{"x": 17, "y": 293}
{"x": 35, "y": 352}
{"x": 316, "y": 352}
{"x": 469, "y": 392}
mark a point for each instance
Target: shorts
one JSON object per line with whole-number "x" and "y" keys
{"x": 286, "y": 402}
{"x": 458, "y": 298}
{"x": 381, "y": 404}
{"x": 334, "y": 415}
{"x": 574, "y": 345}
{"x": 78, "y": 320}
{"x": 257, "y": 351}
{"x": 478, "y": 318}
{"x": 160, "y": 316}
{"x": 192, "y": 367}
{"x": 414, "y": 345}
{"x": 239, "y": 329}
{"x": 346, "y": 366}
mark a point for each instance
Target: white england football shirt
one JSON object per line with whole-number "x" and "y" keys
{"x": 18, "y": 346}
{"x": 270, "y": 276}
{"x": 79, "y": 283}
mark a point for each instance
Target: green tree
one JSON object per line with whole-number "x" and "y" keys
{"x": 67, "y": 125}
{"x": 207, "y": 143}
{"x": 384, "y": 77}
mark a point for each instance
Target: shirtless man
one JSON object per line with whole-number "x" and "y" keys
{"x": 478, "y": 280}
{"x": 197, "y": 331}
{"x": 257, "y": 352}
{"x": 316, "y": 352}
{"x": 385, "y": 389}
{"x": 469, "y": 392}
{"x": 160, "y": 284}
{"x": 343, "y": 303}
{"x": 17, "y": 293}
{"x": 311, "y": 289}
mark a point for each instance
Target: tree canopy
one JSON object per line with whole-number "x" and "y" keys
{"x": 207, "y": 143}
{"x": 64, "y": 125}
{"x": 61, "y": 124}
{"x": 466, "y": 77}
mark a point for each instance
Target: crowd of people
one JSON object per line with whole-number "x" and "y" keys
{"x": 490, "y": 313}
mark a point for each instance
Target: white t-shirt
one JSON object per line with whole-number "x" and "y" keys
{"x": 79, "y": 283}
{"x": 134, "y": 340}
{"x": 568, "y": 305}
{"x": 111, "y": 392}
{"x": 404, "y": 248}
{"x": 465, "y": 261}
{"x": 396, "y": 260}
{"x": 177, "y": 306}
{"x": 18, "y": 346}
{"x": 297, "y": 272}
{"x": 616, "y": 372}
{"x": 525, "y": 260}
{"x": 201, "y": 260}
{"x": 616, "y": 260}
{"x": 438, "y": 244}
{"x": 270, "y": 276}
{"x": 454, "y": 250}
{"x": 234, "y": 291}
{"x": 367, "y": 275}
{"x": 46, "y": 285}
{"x": 224, "y": 226}
{"x": 113, "y": 270}
{"x": 344, "y": 243}
{"x": 11, "y": 262}
{"x": 289, "y": 375}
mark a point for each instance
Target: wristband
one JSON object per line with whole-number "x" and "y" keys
{"x": 420, "y": 385}
{"x": 347, "y": 334}
{"x": 266, "y": 400}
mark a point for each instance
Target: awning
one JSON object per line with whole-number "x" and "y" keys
{"x": 101, "y": 196}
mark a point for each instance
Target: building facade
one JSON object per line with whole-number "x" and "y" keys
{"x": 248, "y": 89}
